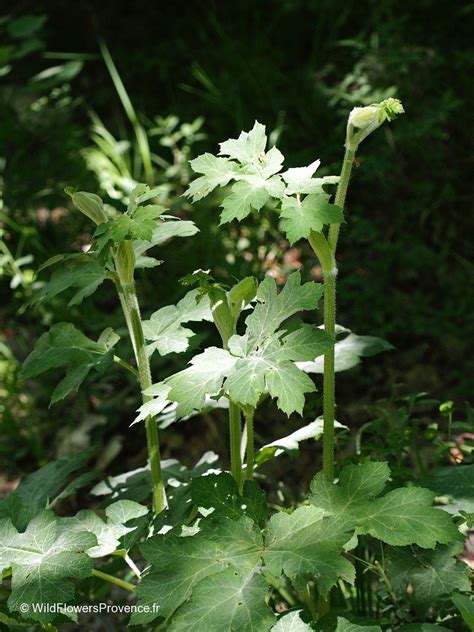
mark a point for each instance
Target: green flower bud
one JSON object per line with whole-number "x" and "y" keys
{"x": 362, "y": 117}
{"x": 125, "y": 261}
{"x": 89, "y": 204}
{"x": 364, "y": 120}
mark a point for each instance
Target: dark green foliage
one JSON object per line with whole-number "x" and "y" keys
{"x": 405, "y": 265}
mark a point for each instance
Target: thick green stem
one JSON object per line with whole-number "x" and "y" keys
{"x": 129, "y": 302}
{"x": 226, "y": 327}
{"x": 341, "y": 193}
{"x": 326, "y": 257}
{"x": 235, "y": 431}
{"x": 113, "y": 580}
{"x": 250, "y": 444}
{"x": 325, "y": 249}
{"x": 329, "y": 375}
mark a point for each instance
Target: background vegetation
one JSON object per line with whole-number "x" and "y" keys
{"x": 184, "y": 77}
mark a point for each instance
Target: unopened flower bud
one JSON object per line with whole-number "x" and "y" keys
{"x": 364, "y": 120}
{"x": 89, "y": 204}
{"x": 362, "y": 117}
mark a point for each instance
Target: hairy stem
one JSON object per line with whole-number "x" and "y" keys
{"x": 113, "y": 580}
{"x": 250, "y": 444}
{"x": 129, "y": 302}
{"x": 329, "y": 382}
{"x": 325, "y": 250}
{"x": 341, "y": 193}
{"x": 226, "y": 328}
{"x": 235, "y": 431}
{"x": 326, "y": 257}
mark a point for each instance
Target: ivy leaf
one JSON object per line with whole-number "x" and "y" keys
{"x": 306, "y": 544}
{"x": 108, "y": 533}
{"x": 165, "y": 326}
{"x": 400, "y": 517}
{"x": 180, "y": 563}
{"x": 43, "y": 560}
{"x": 343, "y": 625}
{"x": 291, "y": 443}
{"x": 216, "y": 172}
{"x": 348, "y": 352}
{"x": 230, "y": 600}
{"x": 81, "y": 271}
{"x": 221, "y": 493}
{"x": 204, "y": 377}
{"x": 291, "y": 622}
{"x": 430, "y": 575}
{"x": 66, "y": 346}
{"x": 300, "y": 217}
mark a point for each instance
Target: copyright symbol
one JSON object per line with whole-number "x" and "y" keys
{"x": 24, "y": 608}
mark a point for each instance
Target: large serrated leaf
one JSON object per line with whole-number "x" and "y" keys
{"x": 246, "y": 162}
{"x": 43, "y": 560}
{"x": 204, "y": 377}
{"x": 109, "y": 532}
{"x": 180, "y": 563}
{"x": 455, "y": 482}
{"x": 39, "y": 488}
{"x": 291, "y": 622}
{"x": 83, "y": 272}
{"x": 165, "y": 329}
{"x": 215, "y": 172}
{"x": 221, "y": 493}
{"x": 424, "y": 577}
{"x": 400, "y": 517}
{"x": 306, "y": 544}
{"x": 224, "y": 602}
{"x": 66, "y": 346}
{"x": 260, "y": 361}
{"x": 348, "y": 352}
{"x": 343, "y": 625}
{"x": 300, "y": 217}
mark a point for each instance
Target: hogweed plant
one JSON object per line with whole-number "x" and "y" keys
{"x": 207, "y": 556}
